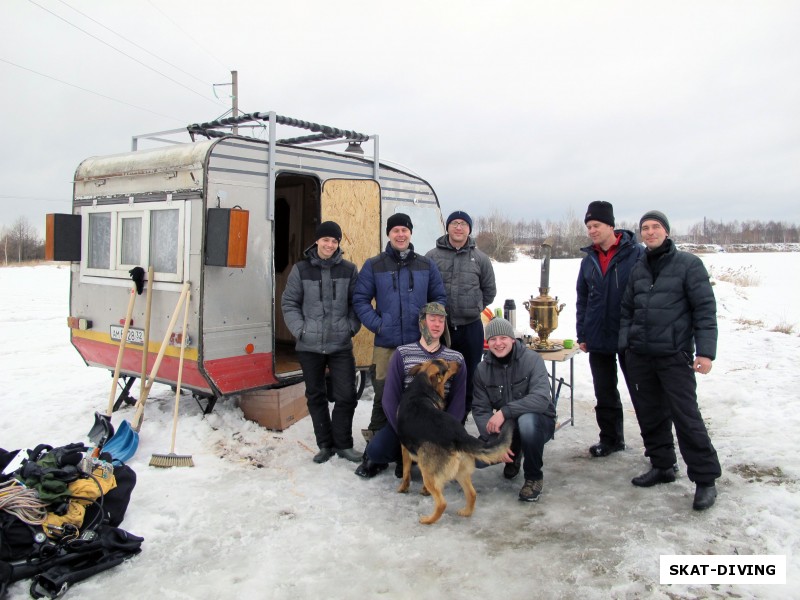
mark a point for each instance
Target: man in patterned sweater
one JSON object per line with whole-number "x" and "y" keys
{"x": 385, "y": 446}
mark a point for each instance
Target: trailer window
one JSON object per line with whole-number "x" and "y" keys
{"x": 131, "y": 242}
{"x": 100, "y": 240}
{"x": 120, "y": 237}
{"x": 164, "y": 240}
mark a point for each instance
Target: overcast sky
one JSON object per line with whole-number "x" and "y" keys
{"x": 532, "y": 107}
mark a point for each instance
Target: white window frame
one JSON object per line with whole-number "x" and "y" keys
{"x": 116, "y": 268}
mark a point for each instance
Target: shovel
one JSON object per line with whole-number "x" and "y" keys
{"x": 123, "y": 445}
{"x": 102, "y": 429}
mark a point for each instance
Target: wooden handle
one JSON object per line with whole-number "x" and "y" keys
{"x": 137, "y": 417}
{"x": 180, "y": 374}
{"x": 146, "y": 340}
{"x": 121, "y": 351}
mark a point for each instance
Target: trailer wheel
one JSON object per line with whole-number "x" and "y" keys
{"x": 361, "y": 382}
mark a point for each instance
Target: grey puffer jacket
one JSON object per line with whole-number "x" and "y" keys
{"x": 668, "y": 312}
{"x": 468, "y": 279}
{"x": 317, "y": 303}
{"x": 522, "y": 386}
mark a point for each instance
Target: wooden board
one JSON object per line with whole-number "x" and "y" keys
{"x": 356, "y": 206}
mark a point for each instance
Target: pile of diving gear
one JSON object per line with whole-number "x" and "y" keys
{"x": 60, "y": 511}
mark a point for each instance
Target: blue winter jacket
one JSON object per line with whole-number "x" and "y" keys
{"x": 600, "y": 296}
{"x": 400, "y": 288}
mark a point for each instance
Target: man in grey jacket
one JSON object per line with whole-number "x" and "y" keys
{"x": 317, "y": 306}
{"x": 668, "y": 331}
{"x": 469, "y": 282}
{"x": 512, "y": 383}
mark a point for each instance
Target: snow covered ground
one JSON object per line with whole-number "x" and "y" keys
{"x": 255, "y": 518}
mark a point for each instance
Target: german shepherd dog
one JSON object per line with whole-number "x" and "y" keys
{"x": 438, "y": 442}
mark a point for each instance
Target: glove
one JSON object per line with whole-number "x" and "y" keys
{"x": 137, "y": 274}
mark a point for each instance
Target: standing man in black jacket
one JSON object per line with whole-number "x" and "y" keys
{"x": 602, "y": 280}
{"x": 317, "y": 306}
{"x": 669, "y": 332}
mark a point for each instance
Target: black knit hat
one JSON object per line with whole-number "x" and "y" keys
{"x": 600, "y": 210}
{"x": 398, "y": 219}
{"x": 459, "y": 214}
{"x": 655, "y": 215}
{"x": 329, "y": 229}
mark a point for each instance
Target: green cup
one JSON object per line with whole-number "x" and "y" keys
{"x": 568, "y": 344}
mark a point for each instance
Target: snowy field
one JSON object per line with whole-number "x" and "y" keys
{"x": 255, "y": 518}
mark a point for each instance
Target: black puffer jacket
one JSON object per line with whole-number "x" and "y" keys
{"x": 317, "y": 303}
{"x": 672, "y": 311}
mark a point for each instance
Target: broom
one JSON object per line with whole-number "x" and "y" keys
{"x": 172, "y": 459}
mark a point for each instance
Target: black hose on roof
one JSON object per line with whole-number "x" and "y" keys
{"x": 324, "y": 132}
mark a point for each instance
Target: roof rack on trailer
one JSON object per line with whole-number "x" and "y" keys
{"x": 324, "y": 134}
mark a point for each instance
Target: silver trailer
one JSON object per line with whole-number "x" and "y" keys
{"x": 230, "y": 215}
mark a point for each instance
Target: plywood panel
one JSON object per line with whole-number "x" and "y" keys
{"x": 356, "y": 206}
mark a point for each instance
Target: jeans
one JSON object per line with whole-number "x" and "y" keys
{"x": 533, "y": 431}
{"x": 385, "y": 446}
{"x": 331, "y": 430}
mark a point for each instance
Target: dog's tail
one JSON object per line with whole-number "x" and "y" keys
{"x": 492, "y": 451}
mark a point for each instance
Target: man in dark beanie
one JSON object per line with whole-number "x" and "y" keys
{"x": 399, "y": 220}
{"x": 400, "y": 282}
{"x": 602, "y": 279}
{"x": 601, "y": 211}
{"x": 529, "y": 401}
{"x": 317, "y": 306}
{"x": 668, "y": 331}
{"x": 655, "y": 215}
{"x": 469, "y": 281}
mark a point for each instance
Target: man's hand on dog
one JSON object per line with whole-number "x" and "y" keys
{"x": 493, "y": 426}
{"x": 496, "y": 422}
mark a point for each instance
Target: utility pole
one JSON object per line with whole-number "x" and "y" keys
{"x": 235, "y": 99}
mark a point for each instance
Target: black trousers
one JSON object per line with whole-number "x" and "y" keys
{"x": 664, "y": 392}
{"x": 468, "y": 339}
{"x": 332, "y": 430}
{"x": 609, "y": 406}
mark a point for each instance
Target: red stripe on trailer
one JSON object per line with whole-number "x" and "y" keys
{"x": 237, "y": 373}
{"x": 105, "y": 355}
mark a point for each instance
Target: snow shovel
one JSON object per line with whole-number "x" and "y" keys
{"x": 123, "y": 445}
{"x": 172, "y": 459}
{"x": 102, "y": 429}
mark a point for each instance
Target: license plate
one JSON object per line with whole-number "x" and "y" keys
{"x": 135, "y": 336}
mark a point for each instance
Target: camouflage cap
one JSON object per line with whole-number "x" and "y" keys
{"x": 432, "y": 308}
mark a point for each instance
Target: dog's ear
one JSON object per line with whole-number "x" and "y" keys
{"x": 415, "y": 369}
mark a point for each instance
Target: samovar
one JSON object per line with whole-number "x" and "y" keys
{"x": 544, "y": 309}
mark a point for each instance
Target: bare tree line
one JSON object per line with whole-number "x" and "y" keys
{"x": 20, "y": 242}
{"x": 498, "y": 235}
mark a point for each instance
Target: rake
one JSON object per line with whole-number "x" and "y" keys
{"x": 172, "y": 459}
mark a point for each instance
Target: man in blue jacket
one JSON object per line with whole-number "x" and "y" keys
{"x": 668, "y": 329}
{"x": 401, "y": 282}
{"x": 602, "y": 279}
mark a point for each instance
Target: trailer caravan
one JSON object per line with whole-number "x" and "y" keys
{"x": 229, "y": 214}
